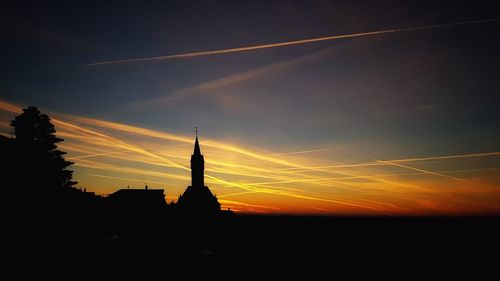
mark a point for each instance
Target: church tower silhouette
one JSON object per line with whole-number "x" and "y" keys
{"x": 197, "y": 165}
{"x": 198, "y": 199}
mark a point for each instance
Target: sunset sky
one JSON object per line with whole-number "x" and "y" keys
{"x": 303, "y": 107}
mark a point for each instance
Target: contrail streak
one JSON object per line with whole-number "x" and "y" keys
{"x": 446, "y": 157}
{"x": 97, "y": 154}
{"x": 298, "y": 196}
{"x": 380, "y": 163}
{"x": 433, "y": 173}
{"x": 419, "y": 170}
{"x": 284, "y": 44}
{"x": 249, "y": 205}
{"x": 126, "y": 179}
{"x": 299, "y": 152}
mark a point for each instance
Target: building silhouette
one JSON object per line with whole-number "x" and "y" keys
{"x": 197, "y": 199}
{"x": 138, "y": 200}
{"x": 134, "y": 214}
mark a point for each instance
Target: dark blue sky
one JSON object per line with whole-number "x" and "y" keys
{"x": 416, "y": 87}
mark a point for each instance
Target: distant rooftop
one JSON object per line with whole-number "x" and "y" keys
{"x": 143, "y": 198}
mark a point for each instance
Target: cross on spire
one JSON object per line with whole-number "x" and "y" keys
{"x": 196, "y": 143}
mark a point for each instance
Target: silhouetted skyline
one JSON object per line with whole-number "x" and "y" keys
{"x": 397, "y": 123}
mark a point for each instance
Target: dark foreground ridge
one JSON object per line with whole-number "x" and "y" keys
{"x": 395, "y": 248}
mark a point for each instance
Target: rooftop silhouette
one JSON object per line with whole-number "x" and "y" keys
{"x": 138, "y": 199}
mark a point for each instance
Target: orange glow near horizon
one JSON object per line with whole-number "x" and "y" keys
{"x": 110, "y": 155}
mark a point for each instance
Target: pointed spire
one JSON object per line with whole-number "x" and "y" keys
{"x": 197, "y": 150}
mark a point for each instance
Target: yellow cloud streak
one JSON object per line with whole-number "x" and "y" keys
{"x": 96, "y": 154}
{"x": 420, "y": 172}
{"x": 146, "y": 172}
{"x": 126, "y": 179}
{"x": 445, "y": 157}
{"x": 300, "y": 152}
{"x": 138, "y": 158}
{"x": 226, "y": 202}
{"x": 167, "y": 136}
{"x": 109, "y": 167}
{"x": 431, "y": 173}
{"x": 135, "y": 158}
{"x": 132, "y": 148}
{"x": 300, "y": 196}
{"x": 119, "y": 143}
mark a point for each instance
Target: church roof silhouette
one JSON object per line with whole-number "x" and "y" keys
{"x": 198, "y": 199}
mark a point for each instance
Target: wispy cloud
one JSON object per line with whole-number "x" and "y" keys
{"x": 10, "y": 107}
{"x": 430, "y": 172}
{"x": 211, "y": 87}
{"x": 419, "y": 170}
{"x": 300, "y": 152}
{"x": 96, "y": 154}
{"x": 284, "y": 44}
{"x": 126, "y": 179}
{"x": 446, "y": 157}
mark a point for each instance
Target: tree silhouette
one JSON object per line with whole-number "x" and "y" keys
{"x": 37, "y": 143}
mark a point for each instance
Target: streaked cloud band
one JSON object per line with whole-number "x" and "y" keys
{"x": 284, "y": 44}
